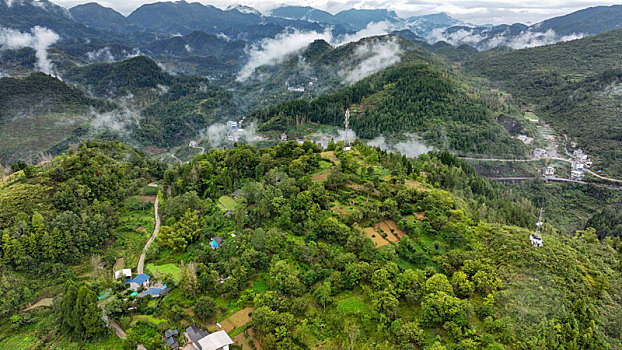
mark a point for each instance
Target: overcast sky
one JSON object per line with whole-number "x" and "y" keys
{"x": 472, "y": 11}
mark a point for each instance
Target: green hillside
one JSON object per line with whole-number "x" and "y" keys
{"x": 324, "y": 249}
{"x": 36, "y": 113}
{"x": 575, "y": 87}
{"x": 536, "y": 73}
{"x": 444, "y": 110}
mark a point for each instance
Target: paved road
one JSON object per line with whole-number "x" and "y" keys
{"x": 141, "y": 261}
{"x": 535, "y": 159}
{"x": 201, "y": 148}
{"x": 502, "y": 160}
{"x": 117, "y": 329}
{"x": 556, "y": 179}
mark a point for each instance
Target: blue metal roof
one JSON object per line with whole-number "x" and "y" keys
{"x": 140, "y": 279}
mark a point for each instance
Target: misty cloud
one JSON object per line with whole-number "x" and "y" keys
{"x": 533, "y": 39}
{"x": 372, "y": 29}
{"x": 482, "y": 41}
{"x": 101, "y": 55}
{"x": 411, "y": 147}
{"x": 39, "y": 39}
{"x": 274, "y": 51}
{"x": 376, "y": 56}
{"x": 121, "y": 120}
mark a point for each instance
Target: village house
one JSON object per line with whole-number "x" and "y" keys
{"x": 155, "y": 291}
{"x": 140, "y": 281}
{"x": 549, "y": 171}
{"x": 125, "y": 273}
{"x": 539, "y": 153}
{"x": 203, "y": 340}
{"x": 170, "y": 337}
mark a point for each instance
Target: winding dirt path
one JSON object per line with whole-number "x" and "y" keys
{"x": 141, "y": 261}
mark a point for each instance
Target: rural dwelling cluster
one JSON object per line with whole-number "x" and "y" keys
{"x": 141, "y": 284}
{"x": 580, "y": 162}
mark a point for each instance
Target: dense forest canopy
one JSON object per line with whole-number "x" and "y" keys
{"x": 411, "y": 98}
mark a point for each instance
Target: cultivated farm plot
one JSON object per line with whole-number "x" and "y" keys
{"x": 321, "y": 176}
{"x": 532, "y": 117}
{"x": 237, "y": 320}
{"x": 389, "y": 227}
{"x": 330, "y": 155}
{"x": 417, "y": 185}
{"x": 378, "y": 240}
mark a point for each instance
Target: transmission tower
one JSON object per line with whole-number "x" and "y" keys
{"x": 347, "y": 136}
{"x": 536, "y": 239}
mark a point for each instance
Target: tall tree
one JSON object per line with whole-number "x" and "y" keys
{"x": 91, "y": 319}
{"x": 70, "y": 294}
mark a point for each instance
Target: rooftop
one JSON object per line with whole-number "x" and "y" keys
{"x": 215, "y": 341}
{"x": 195, "y": 334}
{"x": 139, "y": 279}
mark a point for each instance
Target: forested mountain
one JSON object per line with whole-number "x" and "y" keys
{"x": 574, "y": 84}
{"x": 25, "y": 15}
{"x": 199, "y": 43}
{"x": 359, "y": 249}
{"x": 172, "y": 109}
{"x": 38, "y": 112}
{"x": 412, "y": 98}
{"x": 104, "y": 18}
{"x": 589, "y": 21}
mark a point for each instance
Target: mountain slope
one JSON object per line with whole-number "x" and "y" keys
{"x": 573, "y": 86}
{"x": 304, "y": 13}
{"x": 589, "y": 21}
{"x": 438, "y": 256}
{"x": 407, "y": 99}
{"x": 38, "y": 112}
{"x": 172, "y": 109}
{"x": 530, "y": 71}
{"x": 104, "y": 18}
{"x": 24, "y": 15}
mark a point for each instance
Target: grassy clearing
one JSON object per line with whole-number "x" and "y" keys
{"x": 352, "y": 305}
{"x": 147, "y": 318}
{"x": 226, "y": 203}
{"x": 324, "y": 164}
{"x": 259, "y": 286}
{"x": 159, "y": 271}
